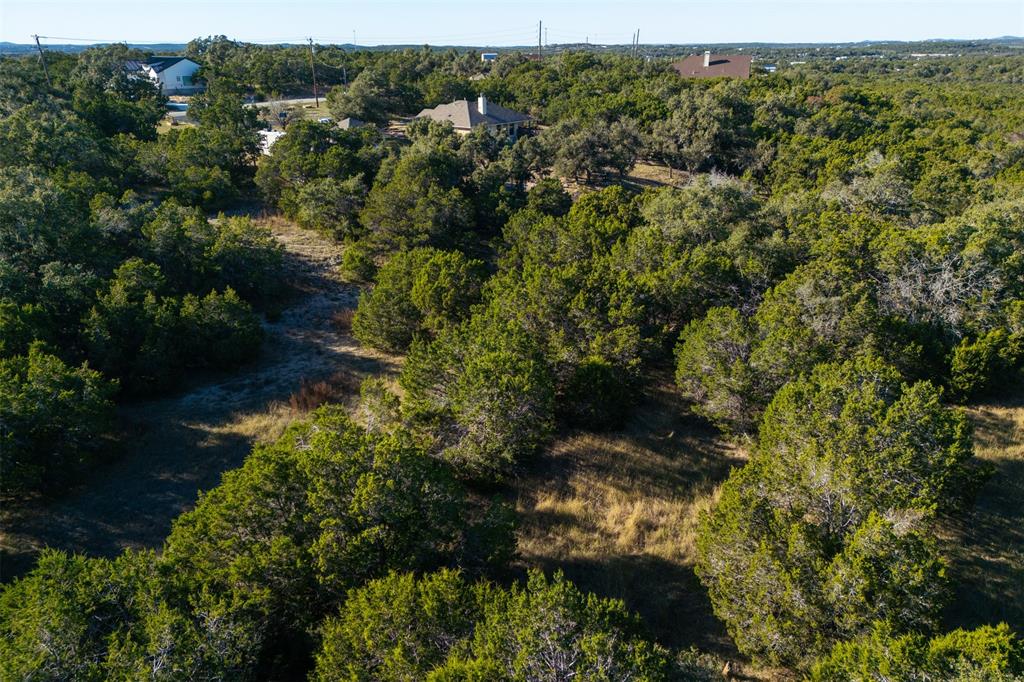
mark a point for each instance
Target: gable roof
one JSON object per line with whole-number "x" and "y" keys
{"x": 722, "y": 65}
{"x": 351, "y": 123}
{"x": 465, "y": 115}
{"x": 162, "y": 63}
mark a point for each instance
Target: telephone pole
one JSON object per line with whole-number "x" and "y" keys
{"x": 312, "y": 67}
{"x": 636, "y": 48}
{"x": 42, "y": 58}
{"x": 540, "y": 47}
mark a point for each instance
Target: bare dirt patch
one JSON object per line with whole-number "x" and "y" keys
{"x": 178, "y": 445}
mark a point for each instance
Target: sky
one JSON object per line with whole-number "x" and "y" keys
{"x": 497, "y": 23}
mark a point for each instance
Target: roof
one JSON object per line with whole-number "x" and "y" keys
{"x": 350, "y": 123}
{"x": 722, "y": 65}
{"x": 268, "y": 138}
{"x": 159, "y": 64}
{"x": 464, "y": 115}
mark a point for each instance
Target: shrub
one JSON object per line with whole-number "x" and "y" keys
{"x": 828, "y": 528}
{"x": 992, "y": 653}
{"x": 324, "y": 509}
{"x": 418, "y": 291}
{"x": 440, "y": 627}
{"x": 52, "y": 419}
{"x": 74, "y": 618}
{"x": 379, "y": 407}
{"x": 482, "y": 392}
{"x": 313, "y": 393}
{"x": 712, "y": 369}
{"x": 247, "y": 258}
{"x": 357, "y": 263}
{"x": 984, "y": 363}
{"x": 596, "y": 396}
{"x": 220, "y": 330}
{"x": 342, "y": 320}
{"x": 330, "y": 206}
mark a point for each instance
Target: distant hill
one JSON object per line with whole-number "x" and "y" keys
{"x": 20, "y": 48}
{"x": 958, "y": 45}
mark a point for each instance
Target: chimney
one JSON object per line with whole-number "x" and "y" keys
{"x": 707, "y": 58}
{"x": 481, "y": 105}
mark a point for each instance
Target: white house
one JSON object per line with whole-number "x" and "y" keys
{"x": 268, "y": 138}
{"x": 488, "y": 56}
{"x": 173, "y": 75}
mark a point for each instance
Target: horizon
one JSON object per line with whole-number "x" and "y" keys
{"x": 507, "y": 24}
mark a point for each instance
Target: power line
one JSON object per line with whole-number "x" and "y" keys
{"x": 42, "y": 58}
{"x": 312, "y": 67}
{"x": 78, "y": 40}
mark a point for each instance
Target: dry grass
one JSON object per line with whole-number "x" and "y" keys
{"x": 618, "y": 511}
{"x": 262, "y": 426}
{"x": 342, "y": 320}
{"x": 651, "y": 174}
{"x": 314, "y": 393}
{"x": 986, "y": 549}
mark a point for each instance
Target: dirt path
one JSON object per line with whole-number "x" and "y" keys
{"x": 181, "y": 444}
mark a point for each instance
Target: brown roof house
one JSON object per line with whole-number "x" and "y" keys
{"x": 714, "y": 66}
{"x": 465, "y": 115}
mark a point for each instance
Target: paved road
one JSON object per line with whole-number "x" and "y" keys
{"x": 298, "y": 101}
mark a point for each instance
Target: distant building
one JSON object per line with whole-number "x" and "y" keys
{"x": 466, "y": 115}
{"x": 488, "y": 56}
{"x": 714, "y": 66}
{"x": 351, "y": 123}
{"x": 268, "y": 138}
{"x": 173, "y": 75}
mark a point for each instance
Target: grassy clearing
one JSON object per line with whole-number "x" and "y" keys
{"x": 651, "y": 174}
{"x": 617, "y": 512}
{"x": 269, "y": 112}
{"x": 986, "y": 549}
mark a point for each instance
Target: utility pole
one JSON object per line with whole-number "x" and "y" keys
{"x": 636, "y": 50}
{"x": 540, "y": 48}
{"x": 312, "y": 67}
{"x": 42, "y": 58}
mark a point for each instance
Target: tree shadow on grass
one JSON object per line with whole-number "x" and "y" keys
{"x": 668, "y": 597}
{"x": 986, "y": 545}
{"x": 603, "y": 508}
{"x": 987, "y": 554}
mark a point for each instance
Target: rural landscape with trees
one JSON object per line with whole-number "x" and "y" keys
{"x": 683, "y": 379}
